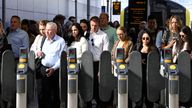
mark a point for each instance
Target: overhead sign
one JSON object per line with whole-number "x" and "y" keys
{"x": 116, "y": 8}
{"x": 137, "y": 12}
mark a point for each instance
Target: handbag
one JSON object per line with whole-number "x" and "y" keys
{"x": 38, "y": 64}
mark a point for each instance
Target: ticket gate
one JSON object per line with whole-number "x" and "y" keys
{"x": 86, "y": 77}
{"x": 167, "y": 60}
{"x": 63, "y": 80}
{"x": 185, "y": 81}
{"x": 135, "y": 76}
{"x": 155, "y": 82}
{"x": 72, "y": 70}
{"x": 8, "y": 80}
{"x": 178, "y": 79}
{"x": 107, "y": 81}
{"x": 72, "y": 82}
{"x": 122, "y": 72}
{"x": 31, "y": 82}
{"x": 21, "y": 83}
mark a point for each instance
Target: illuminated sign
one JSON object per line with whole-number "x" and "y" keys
{"x": 137, "y": 12}
{"x": 116, "y": 8}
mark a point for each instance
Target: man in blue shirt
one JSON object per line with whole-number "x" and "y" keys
{"x": 17, "y": 38}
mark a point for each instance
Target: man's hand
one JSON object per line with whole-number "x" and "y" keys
{"x": 50, "y": 72}
{"x": 40, "y": 54}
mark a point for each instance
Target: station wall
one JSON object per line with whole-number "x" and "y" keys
{"x": 47, "y": 9}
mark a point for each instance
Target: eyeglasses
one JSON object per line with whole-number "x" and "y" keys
{"x": 92, "y": 42}
{"x": 145, "y": 38}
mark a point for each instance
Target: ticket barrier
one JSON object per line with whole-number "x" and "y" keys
{"x": 72, "y": 82}
{"x": 155, "y": 81}
{"x": 63, "y": 80}
{"x": 177, "y": 79}
{"x": 13, "y": 76}
{"x": 72, "y": 69}
{"x": 107, "y": 81}
{"x": 122, "y": 72}
{"x": 185, "y": 82}
{"x": 21, "y": 83}
{"x": 166, "y": 62}
{"x": 86, "y": 78}
{"x": 135, "y": 76}
{"x": 8, "y": 80}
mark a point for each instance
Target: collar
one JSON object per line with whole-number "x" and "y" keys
{"x": 17, "y": 30}
{"x": 95, "y": 32}
{"x": 105, "y": 28}
{"x": 53, "y": 39}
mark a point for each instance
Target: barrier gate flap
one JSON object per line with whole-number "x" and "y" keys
{"x": 107, "y": 79}
{"x": 8, "y": 76}
{"x": 86, "y": 76}
{"x": 135, "y": 76}
{"x": 63, "y": 80}
{"x": 31, "y": 78}
{"x": 184, "y": 66}
{"x": 155, "y": 82}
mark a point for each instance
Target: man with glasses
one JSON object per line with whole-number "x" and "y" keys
{"x": 98, "y": 42}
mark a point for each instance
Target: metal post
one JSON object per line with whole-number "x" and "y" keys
{"x": 3, "y": 12}
{"x": 21, "y": 99}
{"x": 107, "y": 6}
{"x": 110, "y": 10}
{"x": 122, "y": 91}
{"x": 76, "y": 9}
{"x": 88, "y": 9}
{"x": 173, "y": 86}
{"x": 72, "y": 96}
{"x": 173, "y": 91}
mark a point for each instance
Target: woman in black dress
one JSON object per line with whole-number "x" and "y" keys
{"x": 144, "y": 46}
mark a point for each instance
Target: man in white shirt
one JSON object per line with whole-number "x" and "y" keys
{"x": 98, "y": 42}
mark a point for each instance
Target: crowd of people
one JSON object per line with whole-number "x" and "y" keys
{"x": 49, "y": 38}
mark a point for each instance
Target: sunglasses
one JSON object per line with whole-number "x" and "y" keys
{"x": 183, "y": 35}
{"x": 92, "y": 42}
{"x": 145, "y": 38}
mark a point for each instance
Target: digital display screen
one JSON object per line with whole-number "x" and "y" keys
{"x": 167, "y": 53}
{"x": 72, "y": 53}
{"x": 120, "y": 53}
{"x": 23, "y": 52}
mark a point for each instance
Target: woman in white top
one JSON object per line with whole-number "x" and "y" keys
{"x": 184, "y": 42}
{"x": 36, "y": 46}
{"x": 76, "y": 40}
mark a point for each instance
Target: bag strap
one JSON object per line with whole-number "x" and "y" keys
{"x": 42, "y": 42}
